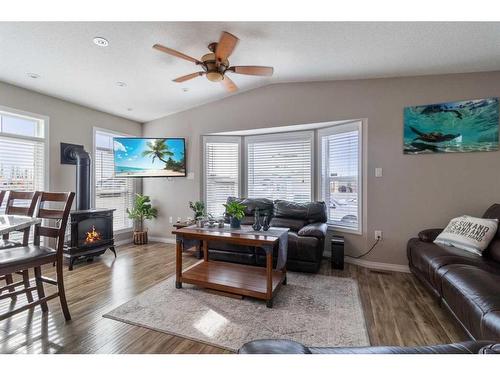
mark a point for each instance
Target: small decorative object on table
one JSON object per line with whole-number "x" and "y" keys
{"x": 198, "y": 208}
{"x": 236, "y": 211}
{"x": 221, "y": 223}
{"x": 256, "y": 225}
{"x": 265, "y": 223}
{"x": 142, "y": 210}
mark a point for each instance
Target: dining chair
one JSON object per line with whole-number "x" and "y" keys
{"x": 19, "y": 203}
{"x": 34, "y": 256}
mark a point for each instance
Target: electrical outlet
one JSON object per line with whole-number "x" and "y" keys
{"x": 378, "y": 172}
{"x": 170, "y": 220}
{"x": 378, "y": 234}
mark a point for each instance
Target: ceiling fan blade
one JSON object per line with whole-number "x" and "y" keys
{"x": 188, "y": 77}
{"x": 253, "y": 70}
{"x": 226, "y": 45}
{"x": 175, "y": 53}
{"x": 229, "y": 84}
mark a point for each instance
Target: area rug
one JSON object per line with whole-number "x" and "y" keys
{"x": 315, "y": 310}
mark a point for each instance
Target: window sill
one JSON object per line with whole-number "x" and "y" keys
{"x": 334, "y": 228}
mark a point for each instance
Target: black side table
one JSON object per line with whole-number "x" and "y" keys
{"x": 337, "y": 248}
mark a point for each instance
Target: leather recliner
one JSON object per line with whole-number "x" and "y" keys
{"x": 468, "y": 285}
{"x": 306, "y": 238}
{"x": 293, "y": 347}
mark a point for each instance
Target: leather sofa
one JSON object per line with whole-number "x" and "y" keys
{"x": 466, "y": 284}
{"x": 293, "y": 347}
{"x": 306, "y": 239}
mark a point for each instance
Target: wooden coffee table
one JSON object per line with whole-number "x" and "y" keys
{"x": 239, "y": 279}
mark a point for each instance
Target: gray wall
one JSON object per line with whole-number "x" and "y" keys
{"x": 70, "y": 123}
{"x": 415, "y": 192}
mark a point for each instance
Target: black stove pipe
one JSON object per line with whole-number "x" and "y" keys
{"x": 83, "y": 163}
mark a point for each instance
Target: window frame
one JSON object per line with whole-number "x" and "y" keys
{"x": 273, "y": 137}
{"x": 135, "y": 189}
{"x": 221, "y": 139}
{"x": 44, "y": 121}
{"x": 336, "y": 129}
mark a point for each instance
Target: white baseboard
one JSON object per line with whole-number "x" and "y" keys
{"x": 163, "y": 239}
{"x": 124, "y": 242}
{"x": 378, "y": 265}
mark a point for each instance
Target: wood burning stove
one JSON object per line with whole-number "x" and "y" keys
{"x": 91, "y": 234}
{"x": 91, "y": 229}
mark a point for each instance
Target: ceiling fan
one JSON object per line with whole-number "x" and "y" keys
{"x": 216, "y": 65}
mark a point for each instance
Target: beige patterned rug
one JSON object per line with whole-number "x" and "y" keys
{"x": 315, "y": 310}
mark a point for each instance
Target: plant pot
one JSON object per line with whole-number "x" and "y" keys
{"x": 140, "y": 237}
{"x": 235, "y": 223}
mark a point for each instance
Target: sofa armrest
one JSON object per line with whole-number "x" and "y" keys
{"x": 273, "y": 347}
{"x": 429, "y": 235}
{"x": 490, "y": 349}
{"x": 314, "y": 230}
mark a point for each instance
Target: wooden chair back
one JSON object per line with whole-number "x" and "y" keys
{"x": 59, "y": 215}
{"x": 15, "y": 207}
{"x": 2, "y": 196}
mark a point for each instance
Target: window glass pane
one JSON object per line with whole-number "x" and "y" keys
{"x": 280, "y": 169}
{"x": 221, "y": 174}
{"x": 110, "y": 192}
{"x": 340, "y": 177}
{"x": 19, "y": 126}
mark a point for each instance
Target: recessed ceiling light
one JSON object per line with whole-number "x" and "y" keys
{"x": 33, "y": 75}
{"x": 101, "y": 42}
{"x": 121, "y": 84}
{"x": 185, "y": 89}
{"x": 129, "y": 109}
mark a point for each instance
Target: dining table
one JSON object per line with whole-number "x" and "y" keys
{"x": 10, "y": 223}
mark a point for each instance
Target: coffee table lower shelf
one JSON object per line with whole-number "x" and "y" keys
{"x": 232, "y": 278}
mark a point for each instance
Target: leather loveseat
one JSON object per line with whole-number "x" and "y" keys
{"x": 306, "y": 239}
{"x": 293, "y": 347}
{"x": 468, "y": 285}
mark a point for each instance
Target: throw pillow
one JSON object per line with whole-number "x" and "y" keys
{"x": 468, "y": 233}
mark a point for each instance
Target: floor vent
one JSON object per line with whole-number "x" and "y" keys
{"x": 380, "y": 272}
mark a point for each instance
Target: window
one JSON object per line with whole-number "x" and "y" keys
{"x": 323, "y": 164}
{"x": 340, "y": 167}
{"x": 279, "y": 166}
{"x": 111, "y": 192}
{"x": 22, "y": 152}
{"x": 222, "y": 172}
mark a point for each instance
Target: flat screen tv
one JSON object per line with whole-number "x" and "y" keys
{"x": 149, "y": 157}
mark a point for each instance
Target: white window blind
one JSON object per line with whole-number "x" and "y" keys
{"x": 22, "y": 153}
{"x": 111, "y": 192}
{"x": 340, "y": 174}
{"x": 280, "y": 166}
{"x": 222, "y": 172}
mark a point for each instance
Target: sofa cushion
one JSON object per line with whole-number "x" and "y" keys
{"x": 303, "y": 248}
{"x": 314, "y": 230}
{"x": 471, "y": 293}
{"x": 311, "y": 212}
{"x": 429, "y": 258}
{"x": 264, "y": 205}
{"x": 294, "y": 224}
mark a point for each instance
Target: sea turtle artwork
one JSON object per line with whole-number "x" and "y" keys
{"x": 464, "y": 126}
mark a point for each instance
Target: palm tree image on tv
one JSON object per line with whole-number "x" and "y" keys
{"x": 143, "y": 157}
{"x": 158, "y": 149}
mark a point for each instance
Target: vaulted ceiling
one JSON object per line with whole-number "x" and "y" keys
{"x": 70, "y": 66}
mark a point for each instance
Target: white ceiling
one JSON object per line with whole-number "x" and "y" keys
{"x": 73, "y": 68}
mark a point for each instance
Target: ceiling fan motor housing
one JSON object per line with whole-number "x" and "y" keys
{"x": 215, "y": 72}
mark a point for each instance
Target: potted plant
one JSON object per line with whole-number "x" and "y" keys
{"x": 198, "y": 208}
{"x": 236, "y": 211}
{"x": 141, "y": 211}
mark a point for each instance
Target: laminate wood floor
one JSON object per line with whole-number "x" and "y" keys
{"x": 398, "y": 310}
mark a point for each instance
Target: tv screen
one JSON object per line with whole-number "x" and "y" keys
{"x": 149, "y": 157}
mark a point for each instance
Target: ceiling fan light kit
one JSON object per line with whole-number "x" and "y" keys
{"x": 216, "y": 65}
